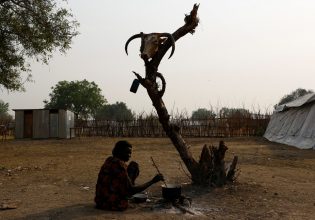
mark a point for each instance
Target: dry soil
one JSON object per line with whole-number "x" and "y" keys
{"x": 55, "y": 179}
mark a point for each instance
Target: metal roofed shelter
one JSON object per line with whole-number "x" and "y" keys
{"x": 43, "y": 123}
{"x": 293, "y": 123}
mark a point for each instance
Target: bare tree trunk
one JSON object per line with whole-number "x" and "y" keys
{"x": 211, "y": 167}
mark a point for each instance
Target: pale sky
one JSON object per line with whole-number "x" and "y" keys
{"x": 245, "y": 53}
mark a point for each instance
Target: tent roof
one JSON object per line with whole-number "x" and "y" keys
{"x": 297, "y": 102}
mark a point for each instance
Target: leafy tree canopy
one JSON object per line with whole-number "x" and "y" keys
{"x": 81, "y": 97}
{"x": 293, "y": 95}
{"x": 234, "y": 113}
{"x": 115, "y": 112}
{"x": 202, "y": 114}
{"x": 31, "y": 29}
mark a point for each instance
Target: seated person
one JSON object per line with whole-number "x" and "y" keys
{"x": 115, "y": 181}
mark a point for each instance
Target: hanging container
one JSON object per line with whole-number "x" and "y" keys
{"x": 134, "y": 86}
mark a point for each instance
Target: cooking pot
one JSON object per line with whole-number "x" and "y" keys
{"x": 171, "y": 191}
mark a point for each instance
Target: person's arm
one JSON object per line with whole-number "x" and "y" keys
{"x": 140, "y": 188}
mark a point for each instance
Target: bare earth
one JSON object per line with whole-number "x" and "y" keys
{"x": 55, "y": 179}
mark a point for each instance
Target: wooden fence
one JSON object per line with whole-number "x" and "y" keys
{"x": 217, "y": 127}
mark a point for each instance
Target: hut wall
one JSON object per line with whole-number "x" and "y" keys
{"x": 70, "y": 123}
{"x": 19, "y": 124}
{"x": 53, "y": 125}
{"x": 43, "y": 123}
{"x": 40, "y": 123}
{"x": 66, "y": 121}
{"x": 61, "y": 124}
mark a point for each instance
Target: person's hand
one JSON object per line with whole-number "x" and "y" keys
{"x": 157, "y": 178}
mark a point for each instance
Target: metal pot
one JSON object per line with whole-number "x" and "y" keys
{"x": 171, "y": 191}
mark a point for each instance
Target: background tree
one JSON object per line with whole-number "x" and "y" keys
{"x": 4, "y": 107}
{"x": 202, "y": 114}
{"x": 31, "y": 29}
{"x": 234, "y": 113}
{"x": 81, "y": 97}
{"x": 115, "y": 112}
{"x": 5, "y": 117}
{"x": 293, "y": 95}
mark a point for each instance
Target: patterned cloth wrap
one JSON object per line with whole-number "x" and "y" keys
{"x": 113, "y": 185}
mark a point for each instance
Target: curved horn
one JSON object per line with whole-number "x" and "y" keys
{"x": 130, "y": 39}
{"x": 168, "y": 35}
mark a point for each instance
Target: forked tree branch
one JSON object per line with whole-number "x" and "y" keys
{"x": 191, "y": 22}
{"x": 211, "y": 167}
{"x": 149, "y": 82}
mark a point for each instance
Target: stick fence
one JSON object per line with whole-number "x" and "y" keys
{"x": 216, "y": 127}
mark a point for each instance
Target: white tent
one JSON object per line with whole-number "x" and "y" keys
{"x": 294, "y": 123}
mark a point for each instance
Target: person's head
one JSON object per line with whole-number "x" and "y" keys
{"x": 122, "y": 150}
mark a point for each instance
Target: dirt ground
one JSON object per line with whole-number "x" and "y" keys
{"x": 55, "y": 179}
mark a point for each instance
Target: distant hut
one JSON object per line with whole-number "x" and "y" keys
{"x": 43, "y": 123}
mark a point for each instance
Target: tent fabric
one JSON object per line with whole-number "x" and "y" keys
{"x": 308, "y": 98}
{"x": 294, "y": 123}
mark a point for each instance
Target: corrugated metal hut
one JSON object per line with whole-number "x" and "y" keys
{"x": 43, "y": 123}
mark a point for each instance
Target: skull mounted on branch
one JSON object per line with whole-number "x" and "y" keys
{"x": 150, "y": 43}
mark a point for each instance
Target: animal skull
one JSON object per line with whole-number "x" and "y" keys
{"x": 150, "y": 43}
